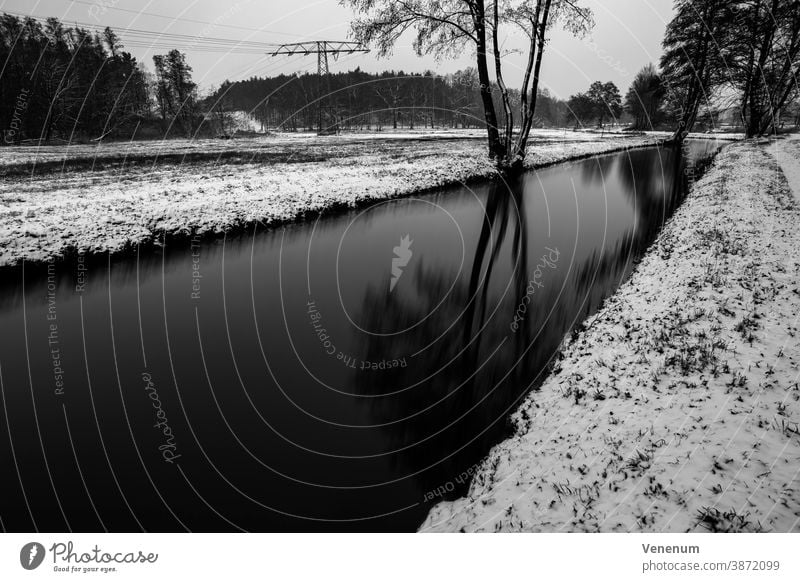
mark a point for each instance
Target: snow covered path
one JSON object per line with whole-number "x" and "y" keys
{"x": 116, "y": 204}
{"x": 678, "y": 406}
{"x": 787, "y": 154}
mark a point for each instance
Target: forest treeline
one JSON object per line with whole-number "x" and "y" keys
{"x": 361, "y": 100}
{"x": 60, "y": 82}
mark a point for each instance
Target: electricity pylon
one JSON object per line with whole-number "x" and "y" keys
{"x": 326, "y": 119}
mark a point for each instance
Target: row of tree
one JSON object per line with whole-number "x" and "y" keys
{"x": 68, "y": 83}
{"x": 718, "y": 54}
{"x": 65, "y": 82}
{"x": 360, "y": 100}
{"x": 739, "y": 59}
{"x": 743, "y": 54}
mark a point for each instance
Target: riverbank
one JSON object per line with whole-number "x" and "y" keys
{"x": 121, "y": 203}
{"x": 677, "y": 407}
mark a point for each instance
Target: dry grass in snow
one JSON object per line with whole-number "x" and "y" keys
{"x": 109, "y": 202}
{"x": 677, "y": 408}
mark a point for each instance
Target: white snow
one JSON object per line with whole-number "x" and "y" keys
{"x": 677, "y": 408}
{"x": 718, "y": 135}
{"x": 245, "y": 121}
{"x": 275, "y": 143}
{"x": 43, "y": 215}
{"x": 787, "y": 153}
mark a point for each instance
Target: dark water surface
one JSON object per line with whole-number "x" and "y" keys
{"x": 277, "y": 381}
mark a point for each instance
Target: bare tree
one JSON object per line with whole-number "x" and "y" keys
{"x": 692, "y": 61}
{"x": 765, "y": 60}
{"x": 748, "y": 49}
{"x": 390, "y": 93}
{"x": 445, "y": 27}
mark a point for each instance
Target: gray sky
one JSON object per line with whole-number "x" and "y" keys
{"x": 626, "y": 37}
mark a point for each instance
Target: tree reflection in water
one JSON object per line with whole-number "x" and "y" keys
{"x": 467, "y": 369}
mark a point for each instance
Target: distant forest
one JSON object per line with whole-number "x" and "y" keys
{"x": 359, "y": 100}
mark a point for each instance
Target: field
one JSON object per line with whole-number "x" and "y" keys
{"x": 107, "y": 197}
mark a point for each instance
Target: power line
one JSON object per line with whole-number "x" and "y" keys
{"x": 151, "y": 40}
{"x": 153, "y": 37}
{"x": 182, "y": 19}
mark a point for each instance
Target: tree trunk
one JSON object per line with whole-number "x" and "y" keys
{"x": 700, "y": 78}
{"x": 757, "y": 123}
{"x": 495, "y": 147}
{"x": 522, "y": 141}
{"x": 528, "y": 105}
{"x": 508, "y": 152}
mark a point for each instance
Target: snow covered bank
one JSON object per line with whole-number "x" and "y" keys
{"x": 45, "y": 215}
{"x": 787, "y": 154}
{"x": 678, "y": 406}
{"x": 718, "y": 135}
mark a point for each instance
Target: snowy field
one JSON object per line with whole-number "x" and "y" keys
{"x": 284, "y": 145}
{"x": 677, "y": 408}
{"x": 24, "y": 159}
{"x": 97, "y": 198}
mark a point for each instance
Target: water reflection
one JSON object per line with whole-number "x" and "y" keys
{"x": 477, "y": 370}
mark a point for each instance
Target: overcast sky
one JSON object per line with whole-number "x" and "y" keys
{"x": 627, "y": 36}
